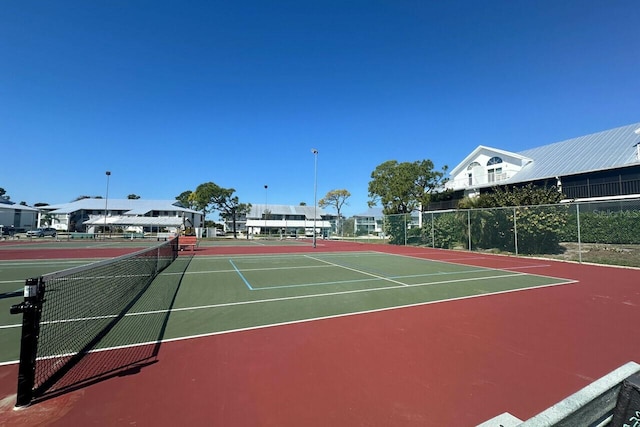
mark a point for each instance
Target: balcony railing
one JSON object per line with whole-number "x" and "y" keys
{"x": 617, "y": 188}
{"x": 479, "y": 180}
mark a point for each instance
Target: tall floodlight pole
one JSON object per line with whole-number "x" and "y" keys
{"x": 106, "y": 202}
{"x": 265, "y": 208}
{"x": 315, "y": 192}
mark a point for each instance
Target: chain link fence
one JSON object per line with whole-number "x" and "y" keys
{"x": 566, "y": 230}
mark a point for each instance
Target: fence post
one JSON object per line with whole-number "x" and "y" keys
{"x": 515, "y": 229}
{"x": 433, "y": 232}
{"x": 579, "y": 237}
{"x": 469, "y": 226}
{"x": 405, "y": 229}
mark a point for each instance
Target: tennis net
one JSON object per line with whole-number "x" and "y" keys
{"x": 67, "y": 313}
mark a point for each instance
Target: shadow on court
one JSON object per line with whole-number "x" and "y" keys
{"x": 129, "y": 343}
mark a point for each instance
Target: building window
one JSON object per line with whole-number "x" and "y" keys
{"x": 470, "y": 168}
{"x": 494, "y": 161}
{"x": 492, "y": 174}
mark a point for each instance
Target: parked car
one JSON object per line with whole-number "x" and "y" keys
{"x": 41, "y": 232}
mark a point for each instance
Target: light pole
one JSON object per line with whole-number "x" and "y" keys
{"x": 265, "y": 208}
{"x": 106, "y": 202}
{"x": 315, "y": 192}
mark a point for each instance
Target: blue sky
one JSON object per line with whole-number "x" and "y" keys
{"x": 171, "y": 94}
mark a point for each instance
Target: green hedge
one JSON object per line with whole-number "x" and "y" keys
{"x": 621, "y": 227}
{"x": 540, "y": 229}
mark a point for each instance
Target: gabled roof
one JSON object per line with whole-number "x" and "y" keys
{"x": 374, "y": 212}
{"x": 162, "y": 221}
{"x": 16, "y": 207}
{"x": 129, "y": 206}
{"x": 307, "y": 211}
{"x": 496, "y": 151}
{"x": 610, "y": 149}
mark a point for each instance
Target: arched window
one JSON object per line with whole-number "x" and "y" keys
{"x": 494, "y": 161}
{"x": 473, "y": 165}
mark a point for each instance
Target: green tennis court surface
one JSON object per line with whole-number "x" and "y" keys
{"x": 216, "y": 294}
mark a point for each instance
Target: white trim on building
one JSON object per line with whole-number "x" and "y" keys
{"x": 603, "y": 165}
{"x": 283, "y": 220}
{"x": 13, "y": 215}
{"x": 485, "y": 166}
{"x": 132, "y": 214}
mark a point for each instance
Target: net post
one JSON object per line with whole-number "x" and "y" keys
{"x": 30, "y": 309}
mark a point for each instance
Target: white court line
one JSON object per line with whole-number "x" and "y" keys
{"x": 329, "y": 264}
{"x": 254, "y": 269}
{"x": 214, "y": 306}
{"x": 509, "y": 269}
{"x": 29, "y": 263}
{"x": 358, "y": 271}
{"x": 314, "y": 319}
{"x": 297, "y": 297}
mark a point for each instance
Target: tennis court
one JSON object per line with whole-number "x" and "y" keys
{"x": 269, "y": 322}
{"x": 229, "y": 293}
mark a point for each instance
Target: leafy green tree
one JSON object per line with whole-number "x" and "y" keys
{"x": 347, "y": 227}
{"x": 185, "y": 199}
{"x": 336, "y": 199}
{"x": 210, "y": 196}
{"x": 404, "y": 187}
{"x": 201, "y": 199}
{"x": 133, "y": 197}
{"x": 395, "y": 226}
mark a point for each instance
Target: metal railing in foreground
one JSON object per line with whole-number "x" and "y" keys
{"x": 67, "y": 313}
{"x": 613, "y": 400}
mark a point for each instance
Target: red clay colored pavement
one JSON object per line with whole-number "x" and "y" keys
{"x": 450, "y": 363}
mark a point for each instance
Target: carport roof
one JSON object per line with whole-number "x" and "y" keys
{"x": 162, "y": 221}
{"x": 130, "y": 206}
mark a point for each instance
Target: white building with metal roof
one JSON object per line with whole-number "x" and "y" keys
{"x": 14, "y": 216}
{"x": 285, "y": 220}
{"x": 88, "y": 215}
{"x": 603, "y": 165}
{"x": 372, "y": 221}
